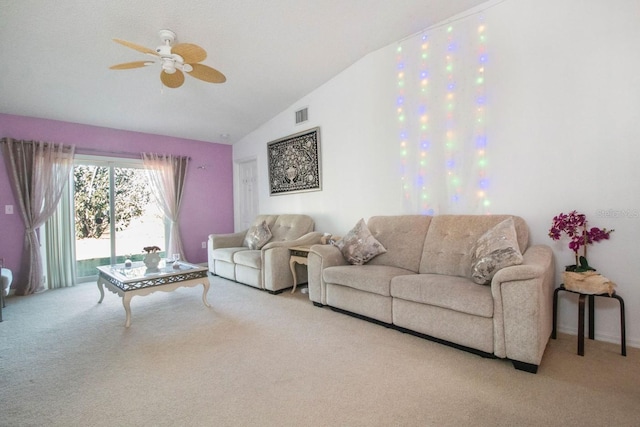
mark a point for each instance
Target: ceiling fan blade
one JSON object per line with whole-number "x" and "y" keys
{"x": 128, "y": 65}
{"x": 189, "y": 52}
{"x": 172, "y": 80}
{"x": 136, "y": 47}
{"x": 206, "y": 73}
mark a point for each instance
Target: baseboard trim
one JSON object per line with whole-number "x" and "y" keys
{"x": 613, "y": 339}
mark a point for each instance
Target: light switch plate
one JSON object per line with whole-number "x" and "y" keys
{"x": 8, "y": 209}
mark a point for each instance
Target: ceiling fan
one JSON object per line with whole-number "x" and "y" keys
{"x": 174, "y": 60}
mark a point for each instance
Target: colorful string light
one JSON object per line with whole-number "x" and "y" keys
{"x": 441, "y": 110}
{"x": 480, "y": 126}
{"x": 453, "y": 181}
{"x": 400, "y": 109}
{"x": 423, "y": 108}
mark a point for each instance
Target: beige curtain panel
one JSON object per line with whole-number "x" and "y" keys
{"x": 166, "y": 175}
{"x": 38, "y": 172}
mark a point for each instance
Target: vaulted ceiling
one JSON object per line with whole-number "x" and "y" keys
{"x": 273, "y": 52}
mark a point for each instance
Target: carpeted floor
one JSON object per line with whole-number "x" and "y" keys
{"x": 255, "y": 359}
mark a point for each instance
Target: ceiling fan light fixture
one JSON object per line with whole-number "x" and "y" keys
{"x": 168, "y": 68}
{"x": 174, "y": 59}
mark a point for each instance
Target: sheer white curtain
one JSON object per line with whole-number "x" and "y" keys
{"x": 166, "y": 175}
{"x": 61, "y": 243}
{"x": 38, "y": 172}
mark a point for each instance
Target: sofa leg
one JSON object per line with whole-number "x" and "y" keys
{"x": 523, "y": 366}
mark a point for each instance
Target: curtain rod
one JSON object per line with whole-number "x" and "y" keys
{"x": 126, "y": 154}
{"x": 93, "y": 151}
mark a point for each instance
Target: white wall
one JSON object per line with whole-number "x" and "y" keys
{"x": 358, "y": 147}
{"x": 564, "y": 100}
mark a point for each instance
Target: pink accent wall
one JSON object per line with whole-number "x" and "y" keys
{"x": 207, "y": 205}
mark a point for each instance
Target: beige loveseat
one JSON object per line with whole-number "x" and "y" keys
{"x": 267, "y": 267}
{"x": 423, "y": 285}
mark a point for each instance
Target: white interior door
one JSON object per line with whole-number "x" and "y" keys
{"x": 248, "y": 193}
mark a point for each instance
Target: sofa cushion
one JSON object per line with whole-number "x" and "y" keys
{"x": 494, "y": 250}
{"x": 291, "y": 227}
{"x": 226, "y": 254}
{"x": 369, "y": 278}
{"x": 249, "y": 258}
{"x": 269, "y": 219}
{"x": 403, "y": 236}
{"x": 257, "y": 236}
{"x": 450, "y": 241}
{"x": 358, "y": 246}
{"x": 450, "y": 292}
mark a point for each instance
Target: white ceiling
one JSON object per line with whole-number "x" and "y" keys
{"x": 273, "y": 52}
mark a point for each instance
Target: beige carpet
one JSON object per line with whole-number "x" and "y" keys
{"x": 256, "y": 359}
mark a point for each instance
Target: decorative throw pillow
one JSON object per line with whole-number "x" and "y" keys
{"x": 359, "y": 246}
{"x": 494, "y": 250}
{"x": 258, "y": 236}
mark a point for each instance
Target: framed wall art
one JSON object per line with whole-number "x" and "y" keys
{"x": 294, "y": 163}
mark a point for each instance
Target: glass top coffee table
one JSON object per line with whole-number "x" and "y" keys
{"x": 138, "y": 280}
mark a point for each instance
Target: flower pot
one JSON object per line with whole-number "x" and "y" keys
{"x": 151, "y": 260}
{"x": 588, "y": 282}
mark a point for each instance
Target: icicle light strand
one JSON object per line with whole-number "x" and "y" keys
{"x": 480, "y": 125}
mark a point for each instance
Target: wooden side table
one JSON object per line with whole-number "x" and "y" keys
{"x": 581, "y": 299}
{"x": 299, "y": 255}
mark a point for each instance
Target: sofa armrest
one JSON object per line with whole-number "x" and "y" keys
{"x": 276, "y": 272}
{"x": 308, "y": 239}
{"x": 523, "y": 306}
{"x": 216, "y": 241}
{"x": 231, "y": 240}
{"x": 321, "y": 257}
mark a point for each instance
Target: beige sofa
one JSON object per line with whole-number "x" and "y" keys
{"x": 422, "y": 285}
{"x": 268, "y": 267}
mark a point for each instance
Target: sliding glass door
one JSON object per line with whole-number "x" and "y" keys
{"x": 115, "y": 214}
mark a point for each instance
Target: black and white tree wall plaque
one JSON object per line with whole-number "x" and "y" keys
{"x": 294, "y": 163}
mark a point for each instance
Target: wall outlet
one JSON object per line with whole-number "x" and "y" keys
{"x": 204, "y": 245}
{"x": 8, "y": 209}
